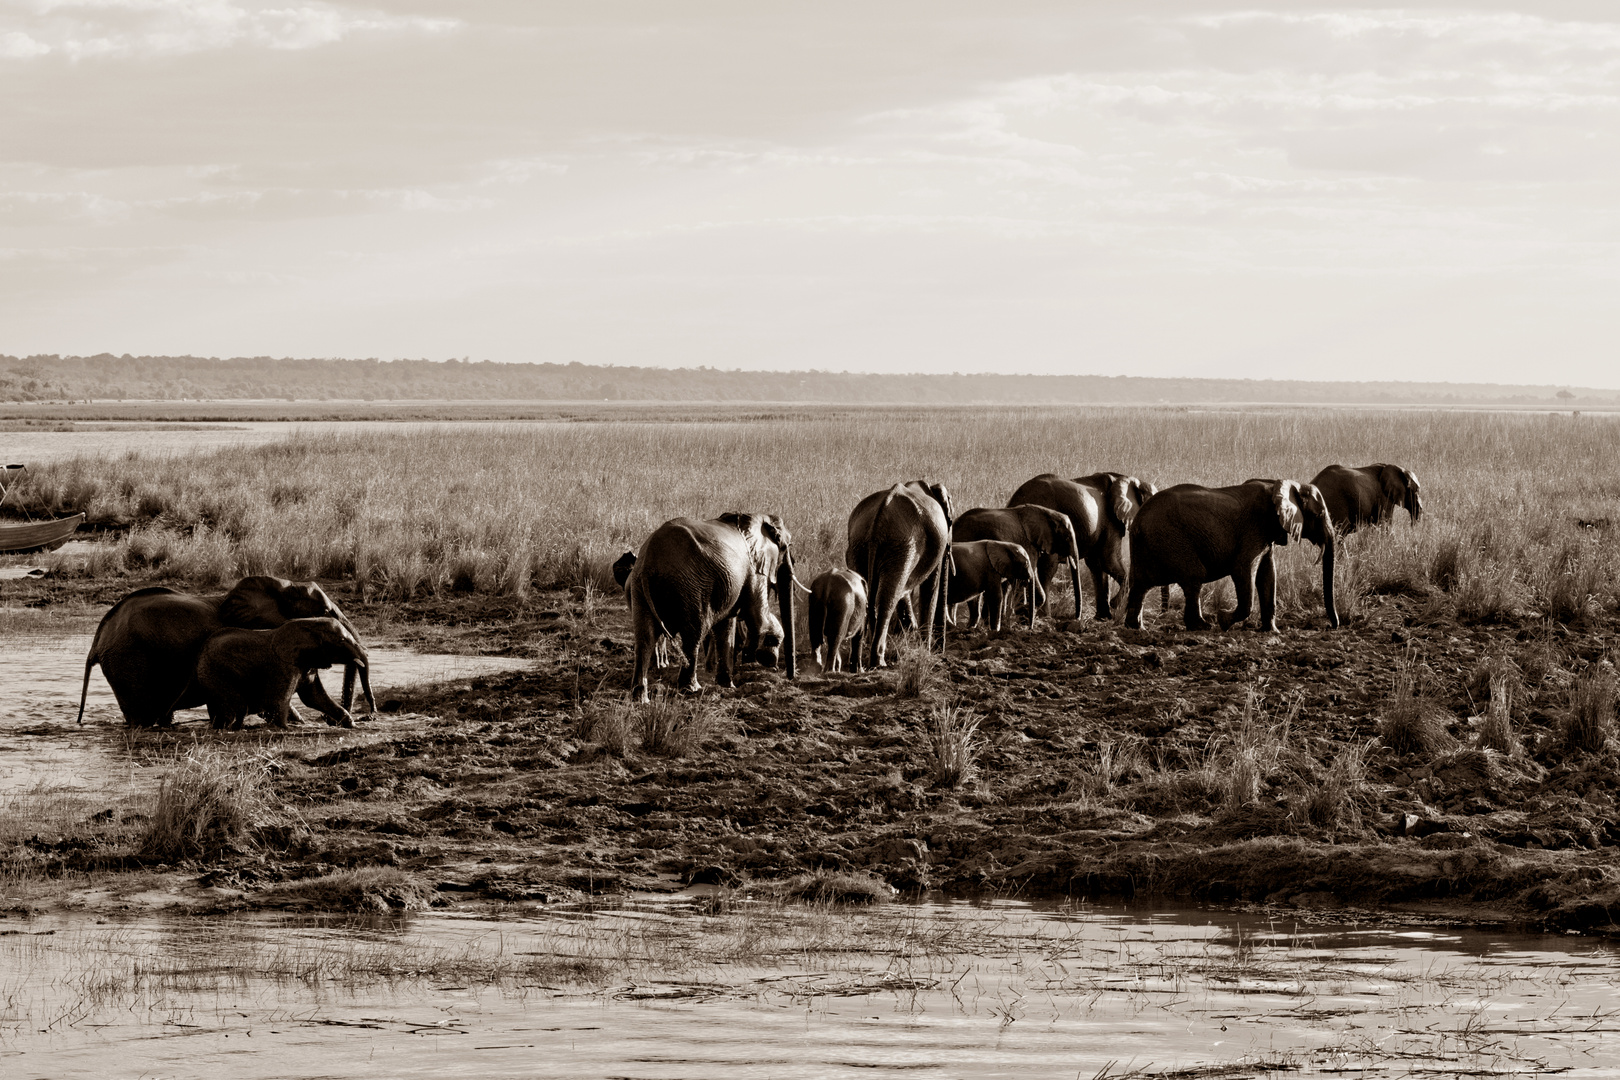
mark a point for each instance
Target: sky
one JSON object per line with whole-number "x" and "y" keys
{"x": 1187, "y": 188}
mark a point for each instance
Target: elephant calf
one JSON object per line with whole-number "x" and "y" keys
{"x": 256, "y": 671}
{"x": 837, "y": 612}
{"x": 980, "y": 567}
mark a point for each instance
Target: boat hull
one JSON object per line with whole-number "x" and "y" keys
{"x": 20, "y": 537}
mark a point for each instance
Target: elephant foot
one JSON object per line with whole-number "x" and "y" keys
{"x": 345, "y": 721}
{"x": 638, "y": 694}
{"x": 1268, "y": 627}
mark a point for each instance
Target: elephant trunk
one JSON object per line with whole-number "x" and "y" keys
{"x": 784, "y": 600}
{"x": 1074, "y": 579}
{"x": 350, "y": 669}
{"x": 1328, "y": 545}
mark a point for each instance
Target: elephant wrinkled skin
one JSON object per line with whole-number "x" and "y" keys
{"x": 1368, "y": 495}
{"x": 1188, "y": 535}
{"x": 148, "y": 643}
{"x": 241, "y": 672}
{"x": 1100, "y": 508}
{"x": 697, "y": 578}
{"x": 899, "y": 539}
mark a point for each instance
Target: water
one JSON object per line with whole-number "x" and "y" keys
{"x": 937, "y": 989}
{"x": 40, "y": 680}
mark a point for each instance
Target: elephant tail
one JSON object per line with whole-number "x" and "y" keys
{"x": 93, "y": 657}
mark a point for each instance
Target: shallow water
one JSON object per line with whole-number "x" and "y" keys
{"x": 40, "y": 681}
{"x": 940, "y": 989}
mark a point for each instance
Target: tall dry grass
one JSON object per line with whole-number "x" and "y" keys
{"x": 504, "y": 508}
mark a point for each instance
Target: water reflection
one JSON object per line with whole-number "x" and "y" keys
{"x": 685, "y": 989}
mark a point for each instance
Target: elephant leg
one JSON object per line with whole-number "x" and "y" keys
{"x": 973, "y": 607}
{"x": 218, "y": 718}
{"x": 857, "y": 658}
{"x": 1099, "y": 589}
{"x": 903, "y": 611}
{"x": 992, "y": 604}
{"x": 1243, "y": 585}
{"x": 1133, "y": 606}
{"x": 724, "y": 635}
{"x": 1193, "y": 615}
{"x": 692, "y": 638}
{"x": 313, "y": 694}
{"x": 1266, "y": 585}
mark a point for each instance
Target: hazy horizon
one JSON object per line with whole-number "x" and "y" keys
{"x": 1197, "y": 189}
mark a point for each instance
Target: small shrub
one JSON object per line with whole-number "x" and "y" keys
{"x": 1446, "y": 564}
{"x": 838, "y": 887}
{"x": 1496, "y": 729}
{"x": 919, "y": 671}
{"x": 1244, "y": 761}
{"x": 1572, "y": 585}
{"x": 611, "y": 724}
{"x": 366, "y": 889}
{"x": 952, "y": 745}
{"x": 1590, "y": 721}
{"x": 1332, "y": 802}
{"x": 1488, "y": 595}
{"x": 674, "y": 726}
{"x": 208, "y": 804}
{"x": 1410, "y": 723}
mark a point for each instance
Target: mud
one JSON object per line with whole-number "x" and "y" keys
{"x": 1104, "y": 762}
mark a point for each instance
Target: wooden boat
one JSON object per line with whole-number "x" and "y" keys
{"x": 17, "y": 537}
{"x": 20, "y": 536}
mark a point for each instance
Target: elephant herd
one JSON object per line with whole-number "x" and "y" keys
{"x": 729, "y": 582}
{"x": 910, "y": 554}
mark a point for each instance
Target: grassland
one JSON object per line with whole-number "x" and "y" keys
{"x": 1453, "y": 743}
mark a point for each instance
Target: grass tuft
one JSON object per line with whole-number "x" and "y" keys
{"x": 1496, "y": 729}
{"x": 669, "y": 725}
{"x": 952, "y": 732}
{"x": 209, "y": 804}
{"x": 377, "y": 889}
{"x": 1411, "y": 723}
{"x": 1333, "y": 801}
{"x": 1589, "y": 723}
{"x": 838, "y": 887}
{"x": 919, "y": 671}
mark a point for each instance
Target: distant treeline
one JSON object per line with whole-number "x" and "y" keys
{"x": 176, "y": 378}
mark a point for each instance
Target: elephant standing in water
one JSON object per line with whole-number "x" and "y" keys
{"x": 697, "y": 578}
{"x": 1100, "y": 508}
{"x": 899, "y": 539}
{"x": 1188, "y": 535}
{"x": 256, "y": 671}
{"x": 1368, "y": 495}
{"x": 148, "y": 644}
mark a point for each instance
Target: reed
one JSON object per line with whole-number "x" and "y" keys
{"x": 503, "y": 508}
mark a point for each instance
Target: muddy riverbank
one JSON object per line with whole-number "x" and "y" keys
{"x": 1238, "y": 768}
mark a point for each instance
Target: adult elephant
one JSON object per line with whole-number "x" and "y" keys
{"x": 148, "y": 644}
{"x": 1045, "y": 535}
{"x": 1368, "y": 495}
{"x": 1189, "y": 535}
{"x": 1100, "y": 508}
{"x": 899, "y": 539}
{"x": 697, "y": 578}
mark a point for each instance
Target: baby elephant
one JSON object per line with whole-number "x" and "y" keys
{"x": 837, "y": 612}
{"x": 981, "y": 567}
{"x": 256, "y": 671}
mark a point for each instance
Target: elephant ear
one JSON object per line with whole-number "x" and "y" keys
{"x": 622, "y": 567}
{"x": 1319, "y": 524}
{"x": 1284, "y": 498}
{"x": 1000, "y": 558}
{"x": 1126, "y": 494}
{"x": 258, "y": 603}
{"x": 1392, "y": 478}
{"x": 1413, "y": 501}
{"x": 943, "y": 497}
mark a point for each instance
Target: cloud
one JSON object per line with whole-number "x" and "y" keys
{"x": 84, "y": 30}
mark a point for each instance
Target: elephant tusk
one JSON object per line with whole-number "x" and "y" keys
{"x": 800, "y": 584}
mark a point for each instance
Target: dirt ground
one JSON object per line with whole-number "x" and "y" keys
{"x": 1106, "y": 761}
